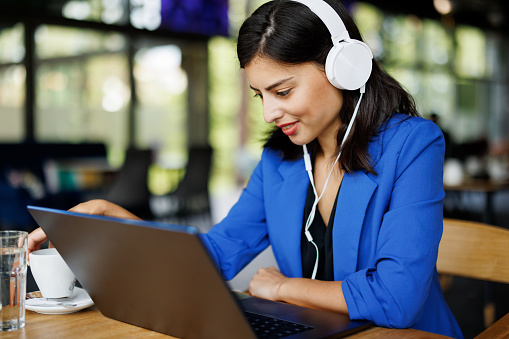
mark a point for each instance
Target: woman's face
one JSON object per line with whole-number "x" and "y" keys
{"x": 299, "y": 99}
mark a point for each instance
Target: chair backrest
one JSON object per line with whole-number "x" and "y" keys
{"x": 196, "y": 178}
{"x": 474, "y": 250}
{"x": 130, "y": 188}
{"x": 192, "y": 193}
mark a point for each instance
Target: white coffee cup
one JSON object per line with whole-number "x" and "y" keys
{"x": 52, "y": 275}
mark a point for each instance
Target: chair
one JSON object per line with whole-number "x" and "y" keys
{"x": 129, "y": 188}
{"x": 500, "y": 329}
{"x": 191, "y": 198}
{"x": 475, "y": 250}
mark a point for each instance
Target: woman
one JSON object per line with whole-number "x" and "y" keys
{"x": 356, "y": 229}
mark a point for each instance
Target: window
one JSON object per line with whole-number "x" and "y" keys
{"x": 161, "y": 111}
{"x": 471, "y": 53}
{"x": 12, "y": 83}
{"x": 445, "y": 70}
{"x": 82, "y": 87}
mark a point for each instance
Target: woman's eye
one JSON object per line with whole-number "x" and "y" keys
{"x": 283, "y": 93}
{"x": 258, "y": 95}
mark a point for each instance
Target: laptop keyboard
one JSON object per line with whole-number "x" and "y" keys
{"x": 267, "y": 327}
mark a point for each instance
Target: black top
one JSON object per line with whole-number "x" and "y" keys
{"x": 322, "y": 237}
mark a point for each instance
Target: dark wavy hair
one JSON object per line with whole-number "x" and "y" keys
{"x": 289, "y": 32}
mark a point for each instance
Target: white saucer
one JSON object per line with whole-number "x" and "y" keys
{"x": 79, "y": 298}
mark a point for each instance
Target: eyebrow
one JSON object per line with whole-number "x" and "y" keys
{"x": 268, "y": 88}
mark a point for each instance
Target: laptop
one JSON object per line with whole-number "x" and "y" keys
{"x": 161, "y": 277}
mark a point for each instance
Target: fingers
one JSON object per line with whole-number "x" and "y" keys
{"x": 266, "y": 283}
{"x": 96, "y": 206}
{"x": 36, "y": 239}
{"x": 271, "y": 270}
{"x": 103, "y": 207}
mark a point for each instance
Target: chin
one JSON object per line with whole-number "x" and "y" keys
{"x": 298, "y": 141}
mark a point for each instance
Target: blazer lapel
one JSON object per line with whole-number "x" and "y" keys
{"x": 287, "y": 200}
{"x": 353, "y": 200}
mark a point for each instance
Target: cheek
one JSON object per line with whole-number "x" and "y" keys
{"x": 322, "y": 92}
{"x": 333, "y": 96}
{"x": 334, "y": 101}
{"x": 327, "y": 101}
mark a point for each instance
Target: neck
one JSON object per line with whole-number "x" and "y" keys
{"x": 328, "y": 147}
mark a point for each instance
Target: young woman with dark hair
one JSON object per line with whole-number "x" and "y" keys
{"x": 348, "y": 191}
{"x": 289, "y": 35}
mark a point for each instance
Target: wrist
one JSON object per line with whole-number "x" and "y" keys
{"x": 282, "y": 292}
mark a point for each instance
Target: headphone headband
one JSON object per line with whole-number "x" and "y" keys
{"x": 349, "y": 62}
{"x": 329, "y": 17}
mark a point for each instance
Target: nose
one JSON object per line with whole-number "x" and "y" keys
{"x": 271, "y": 111}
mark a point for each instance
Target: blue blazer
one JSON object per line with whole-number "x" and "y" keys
{"x": 387, "y": 227}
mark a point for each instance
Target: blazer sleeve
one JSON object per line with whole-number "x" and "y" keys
{"x": 242, "y": 234}
{"x": 393, "y": 291}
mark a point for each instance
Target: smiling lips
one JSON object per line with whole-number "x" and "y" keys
{"x": 289, "y": 129}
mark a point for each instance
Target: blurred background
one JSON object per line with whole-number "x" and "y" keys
{"x": 142, "y": 102}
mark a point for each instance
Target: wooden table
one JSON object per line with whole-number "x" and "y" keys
{"x": 90, "y": 323}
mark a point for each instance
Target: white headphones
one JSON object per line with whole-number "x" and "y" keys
{"x": 349, "y": 62}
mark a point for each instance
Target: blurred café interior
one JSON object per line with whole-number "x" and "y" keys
{"x": 142, "y": 102}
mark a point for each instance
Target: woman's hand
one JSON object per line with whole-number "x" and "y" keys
{"x": 97, "y": 206}
{"x": 36, "y": 239}
{"x": 103, "y": 207}
{"x": 271, "y": 284}
{"x": 267, "y": 283}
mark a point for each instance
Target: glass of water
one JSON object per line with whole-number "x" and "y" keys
{"x": 13, "y": 269}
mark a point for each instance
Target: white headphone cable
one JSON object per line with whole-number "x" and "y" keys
{"x": 309, "y": 168}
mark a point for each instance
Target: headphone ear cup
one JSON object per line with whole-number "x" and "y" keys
{"x": 348, "y": 64}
